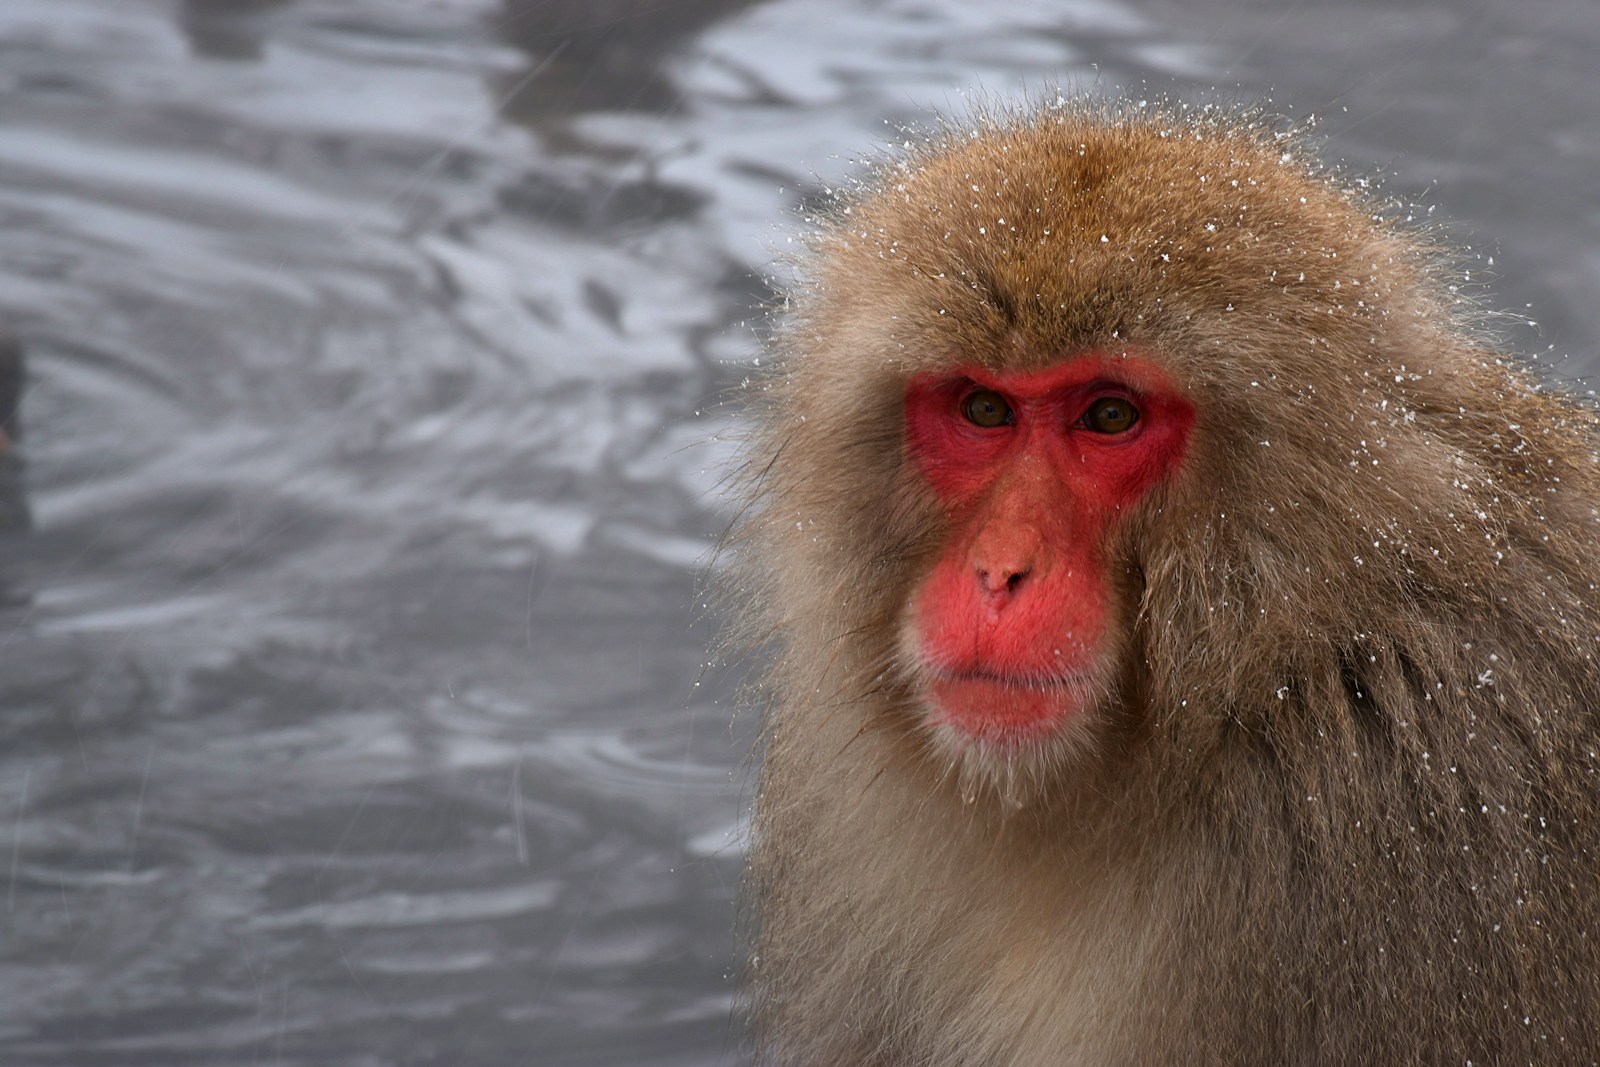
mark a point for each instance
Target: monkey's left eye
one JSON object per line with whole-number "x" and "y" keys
{"x": 987, "y": 408}
{"x": 1110, "y": 414}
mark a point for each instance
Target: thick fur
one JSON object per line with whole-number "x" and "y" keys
{"x": 1341, "y": 806}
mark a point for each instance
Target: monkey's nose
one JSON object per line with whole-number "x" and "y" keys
{"x": 1004, "y": 554}
{"x": 1003, "y": 579}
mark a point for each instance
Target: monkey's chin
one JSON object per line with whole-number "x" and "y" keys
{"x": 1005, "y": 713}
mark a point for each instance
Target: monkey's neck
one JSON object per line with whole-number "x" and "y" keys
{"x": 920, "y": 905}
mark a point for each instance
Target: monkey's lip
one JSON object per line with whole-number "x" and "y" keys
{"x": 992, "y": 706}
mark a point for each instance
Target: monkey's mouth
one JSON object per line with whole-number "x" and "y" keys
{"x": 1000, "y": 708}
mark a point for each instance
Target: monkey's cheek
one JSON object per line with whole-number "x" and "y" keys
{"x": 1002, "y": 713}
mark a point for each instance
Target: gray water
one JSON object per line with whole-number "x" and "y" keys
{"x": 352, "y": 702}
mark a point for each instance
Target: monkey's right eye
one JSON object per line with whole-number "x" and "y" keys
{"x": 988, "y": 409}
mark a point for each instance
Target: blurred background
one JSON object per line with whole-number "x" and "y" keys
{"x": 354, "y": 525}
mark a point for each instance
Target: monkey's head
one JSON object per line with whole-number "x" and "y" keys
{"x": 1096, "y": 434}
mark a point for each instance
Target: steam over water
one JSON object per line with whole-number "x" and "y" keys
{"x": 352, "y": 707}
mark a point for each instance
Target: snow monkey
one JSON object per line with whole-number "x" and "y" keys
{"x": 1184, "y": 624}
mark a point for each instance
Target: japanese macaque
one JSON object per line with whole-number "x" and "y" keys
{"x": 1185, "y": 625}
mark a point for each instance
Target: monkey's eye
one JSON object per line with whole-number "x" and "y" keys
{"x": 1110, "y": 414}
{"x": 987, "y": 408}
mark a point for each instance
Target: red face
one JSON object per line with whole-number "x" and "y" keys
{"x": 1035, "y": 469}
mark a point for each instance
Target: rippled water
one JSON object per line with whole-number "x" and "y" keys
{"x": 351, "y": 693}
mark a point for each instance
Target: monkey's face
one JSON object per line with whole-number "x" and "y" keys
{"x": 1014, "y": 630}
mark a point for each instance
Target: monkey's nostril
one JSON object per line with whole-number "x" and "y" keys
{"x": 1003, "y": 579}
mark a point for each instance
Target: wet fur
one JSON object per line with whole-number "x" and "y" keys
{"x": 1339, "y": 806}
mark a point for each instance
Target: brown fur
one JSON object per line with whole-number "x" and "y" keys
{"x": 1342, "y": 807}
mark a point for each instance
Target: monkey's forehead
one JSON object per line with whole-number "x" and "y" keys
{"x": 1069, "y": 232}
